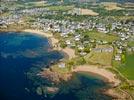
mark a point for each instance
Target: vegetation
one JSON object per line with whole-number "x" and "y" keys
{"x": 60, "y": 8}
{"x": 63, "y": 44}
{"x": 127, "y": 69}
{"x": 99, "y": 36}
{"x": 61, "y": 71}
{"x": 131, "y": 43}
{"x": 101, "y": 58}
{"x": 80, "y": 61}
{"x": 103, "y": 12}
{"x": 78, "y": 18}
{"x": 35, "y": 4}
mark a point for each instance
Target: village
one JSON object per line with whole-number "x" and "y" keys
{"x": 91, "y": 39}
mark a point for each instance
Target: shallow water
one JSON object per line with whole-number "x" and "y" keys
{"x": 22, "y": 55}
{"x": 83, "y": 86}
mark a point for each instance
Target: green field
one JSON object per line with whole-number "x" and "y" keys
{"x": 35, "y": 4}
{"x": 131, "y": 43}
{"x": 101, "y": 58}
{"x": 100, "y": 36}
{"x": 60, "y": 8}
{"x": 128, "y": 69}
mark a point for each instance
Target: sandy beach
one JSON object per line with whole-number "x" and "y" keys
{"x": 70, "y": 52}
{"x": 38, "y": 32}
{"x": 67, "y": 51}
{"x": 111, "y": 78}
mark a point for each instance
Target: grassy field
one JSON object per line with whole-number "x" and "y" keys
{"x": 131, "y": 43}
{"x": 35, "y": 4}
{"x": 60, "y": 8}
{"x": 111, "y": 6}
{"x": 101, "y": 58}
{"x": 66, "y": 17}
{"x": 128, "y": 69}
{"x": 88, "y": 12}
{"x": 100, "y": 36}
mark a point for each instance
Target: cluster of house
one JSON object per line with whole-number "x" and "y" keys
{"x": 110, "y": 49}
{"x": 62, "y": 26}
{"x": 126, "y": 33}
{"x": 36, "y": 11}
{"x": 121, "y": 46}
{"x": 65, "y": 28}
{"x": 39, "y": 11}
{"x": 66, "y": 25}
{"x": 11, "y": 19}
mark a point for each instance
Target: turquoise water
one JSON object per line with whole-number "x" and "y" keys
{"x": 23, "y": 55}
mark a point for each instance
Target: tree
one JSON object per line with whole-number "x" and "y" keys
{"x": 87, "y": 49}
{"x": 123, "y": 58}
{"x": 63, "y": 44}
{"x": 80, "y": 61}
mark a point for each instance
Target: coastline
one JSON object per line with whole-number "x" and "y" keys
{"x": 109, "y": 76}
{"x": 93, "y": 69}
{"x": 68, "y": 52}
{"x": 39, "y": 32}
{"x": 105, "y": 75}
